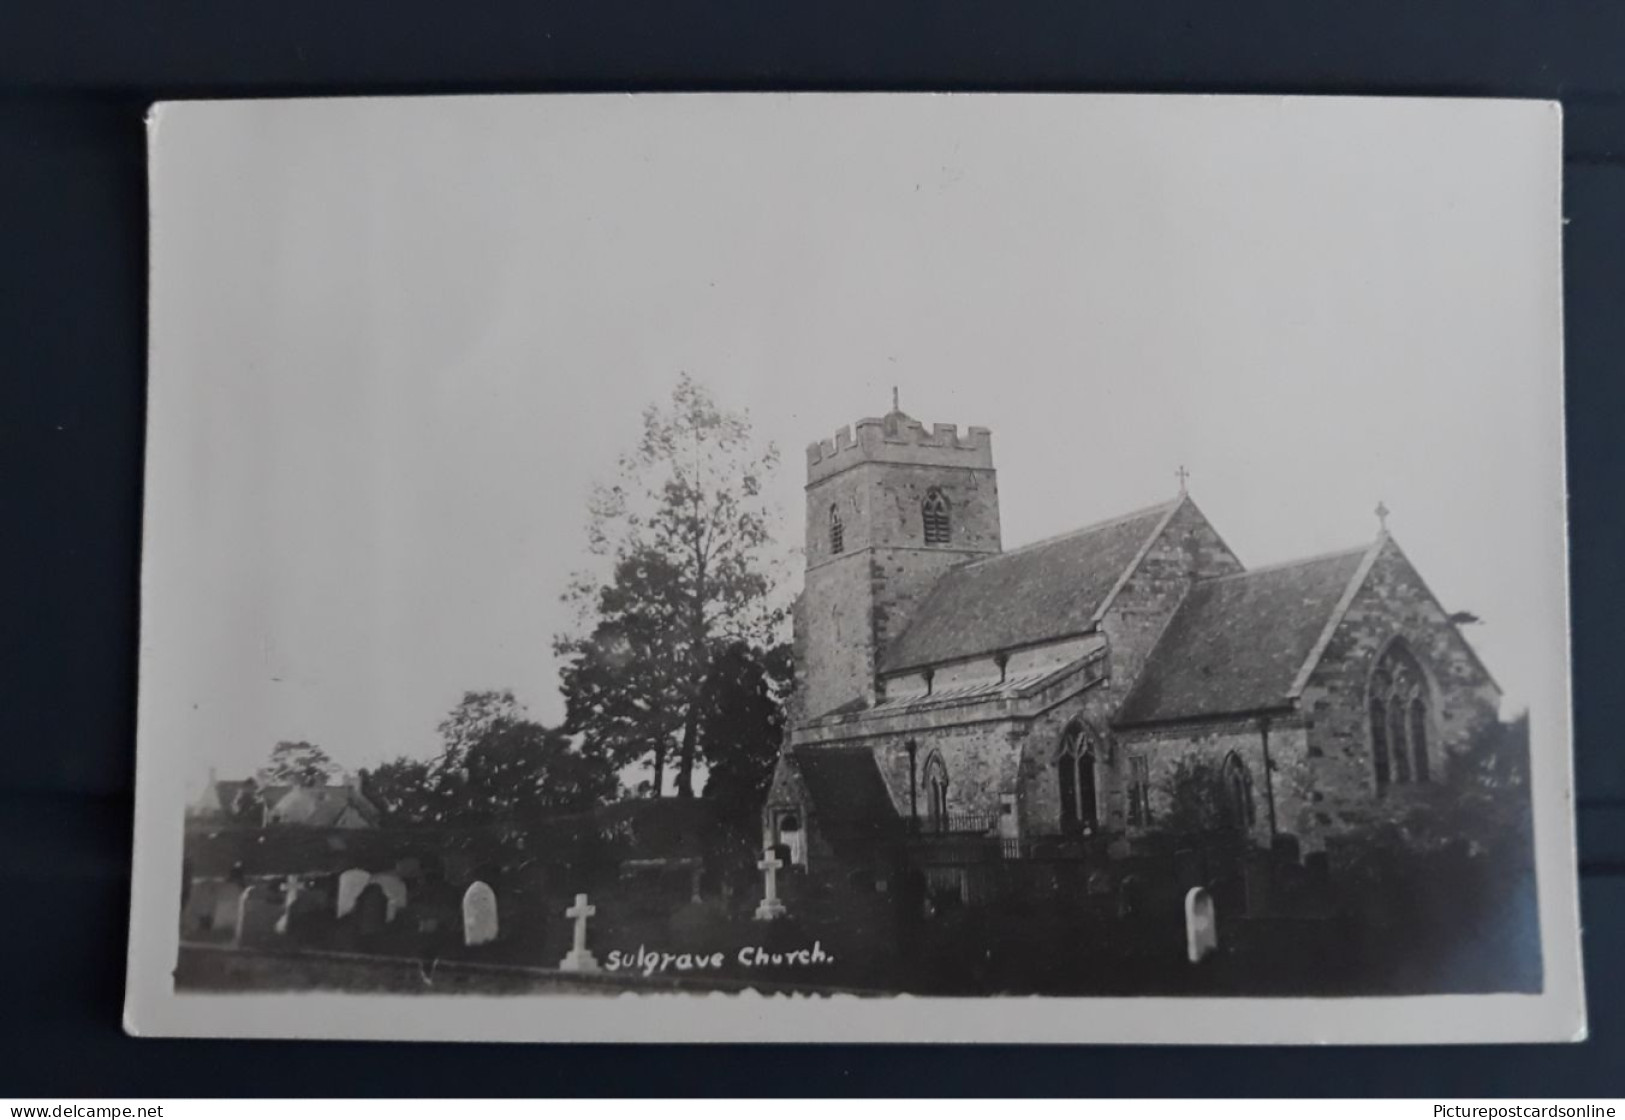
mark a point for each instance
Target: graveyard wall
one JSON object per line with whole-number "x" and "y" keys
{"x": 1391, "y": 603}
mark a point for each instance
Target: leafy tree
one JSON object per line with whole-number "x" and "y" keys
{"x": 473, "y": 717}
{"x": 692, "y": 568}
{"x": 297, "y": 764}
{"x": 742, "y": 727}
{"x": 1196, "y": 798}
{"x": 521, "y": 769}
{"x": 403, "y": 790}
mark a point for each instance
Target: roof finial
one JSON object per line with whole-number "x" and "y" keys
{"x": 894, "y": 407}
{"x": 1382, "y": 517}
{"x": 1183, "y": 475}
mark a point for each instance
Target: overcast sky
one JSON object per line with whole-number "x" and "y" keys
{"x": 395, "y": 341}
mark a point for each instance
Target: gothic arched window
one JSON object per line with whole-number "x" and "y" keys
{"x": 1075, "y": 770}
{"x": 936, "y": 793}
{"x": 837, "y": 531}
{"x": 935, "y": 509}
{"x": 1238, "y": 792}
{"x": 1398, "y": 704}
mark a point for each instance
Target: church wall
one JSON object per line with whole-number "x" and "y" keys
{"x": 833, "y": 647}
{"x": 985, "y": 670}
{"x": 1188, "y": 548}
{"x": 1040, "y": 782}
{"x": 1392, "y": 601}
{"x": 1212, "y": 742}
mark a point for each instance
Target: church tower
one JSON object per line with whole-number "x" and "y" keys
{"x": 889, "y": 510}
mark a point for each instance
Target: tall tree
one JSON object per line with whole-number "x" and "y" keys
{"x": 297, "y": 764}
{"x": 692, "y": 567}
{"x": 403, "y": 790}
{"x": 742, "y": 727}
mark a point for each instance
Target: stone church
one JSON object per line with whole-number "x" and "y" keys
{"x": 946, "y": 685}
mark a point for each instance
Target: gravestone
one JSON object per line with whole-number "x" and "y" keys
{"x": 351, "y": 884}
{"x": 371, "y": 911}
{"x": 303, "y": 908}
{"x": 1201, "y": 925}
{"x": 1130, "y": 896}
{"x": 770, "y": 908}
{"x": 1119, "y": 849}
{"x": 1285, "y": 848}
{"x": 1188, "y": 870}
{"x": 479, "y": 915}
{"x": 1258, "y": 880}
{"x": 579, "y": 959}
{"x": 258, "y": 912}
{"x": 394, "y": 888}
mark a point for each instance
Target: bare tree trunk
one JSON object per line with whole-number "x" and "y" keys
{"x": 685, "y": 761}
{"x": 660, "y": 770}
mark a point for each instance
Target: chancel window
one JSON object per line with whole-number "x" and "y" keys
{"x": 1075, "y": 769}
{"x": 837, "y": 531}
{"x": 1398, "y": 709}
{"x": 935, "y": 510}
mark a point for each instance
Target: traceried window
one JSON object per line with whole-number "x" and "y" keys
{"x": 935, "y": 509}
{"x": 1398, "y": 707}
{"x": 1075, "y": 770}
{"x": 837, "y": 531}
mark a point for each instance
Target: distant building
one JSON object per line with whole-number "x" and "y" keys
{"x": 245, "y": 801}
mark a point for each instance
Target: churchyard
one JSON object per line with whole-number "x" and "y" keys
{"x": 343, "y": 912}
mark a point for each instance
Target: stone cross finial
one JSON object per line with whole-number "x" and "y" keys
{"x": 1382, "y": 515}
{"x": 1183, "y": 475}
{"x": 578, "y": 959}
{"x": 770, "y": 906}
{"x": 894, "y": 406}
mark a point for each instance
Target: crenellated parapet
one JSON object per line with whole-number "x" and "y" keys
{"x": 899, "y": 439}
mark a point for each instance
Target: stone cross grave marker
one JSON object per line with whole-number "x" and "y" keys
{"x": 770, "y": 907}
{"x": 579, "y": 959}
{"x": 394, "y": 888}
{"x": 351, "y": 884}
{"x": 1201, "y": 926}
{"x": 479, "y": 914}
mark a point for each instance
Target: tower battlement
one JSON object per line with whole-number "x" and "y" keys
{"x": 899, "y": 439}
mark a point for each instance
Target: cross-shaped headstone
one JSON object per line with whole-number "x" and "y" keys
{"x": 770, "y": 907}
{"x": 1183, "y": 475}
{"x": 578, "y": 959}
{"x": 1382, "y": 515}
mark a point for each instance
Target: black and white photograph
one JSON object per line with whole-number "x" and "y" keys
{"x": 855, "y": 567}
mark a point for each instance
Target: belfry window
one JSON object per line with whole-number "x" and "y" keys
{"x": 1075, "y": 771}
{"x": 935, "y": 509}
{"x": 837, "y": 531}
{"x": 1398, "y": 704}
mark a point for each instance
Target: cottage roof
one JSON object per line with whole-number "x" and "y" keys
{"x": 322, "y": 806}
{"x": 1238, "y": 643}
{"x": 1041, "y": 592}
{"x": 848, "y": 794}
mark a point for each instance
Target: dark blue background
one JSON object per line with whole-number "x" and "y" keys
{"x": 75, "y": 78}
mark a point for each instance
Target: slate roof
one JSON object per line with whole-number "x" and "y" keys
{"x": 1037, "y": 593}
{"x": 848, "y": 794}
{"x": 1236, "y": 643}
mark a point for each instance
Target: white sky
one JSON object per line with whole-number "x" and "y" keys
{"x": 394, "y": 342}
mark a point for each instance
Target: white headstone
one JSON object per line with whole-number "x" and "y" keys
{"x": 1201, "y": 925}
{"x": 257, "y": 915}
{"x": 479, "y": 914}
{"x": 394, "y": 888}
{"x": 770, "y": 907}
{"x": 351, "y": 884}
{"x": 578, "y": 959}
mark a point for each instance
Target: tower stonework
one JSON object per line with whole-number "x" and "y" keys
{"x": 867, "y": 491}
